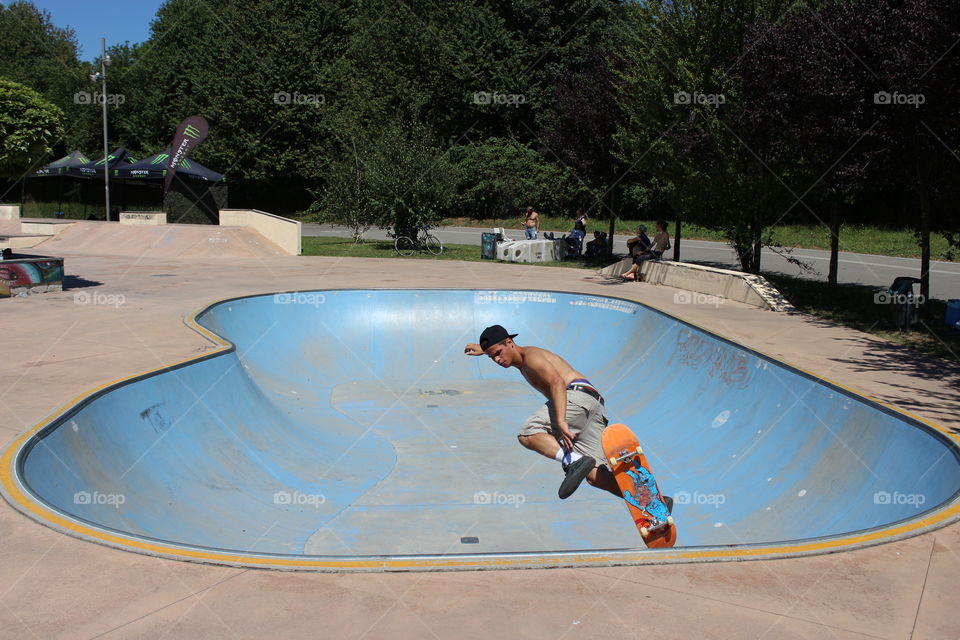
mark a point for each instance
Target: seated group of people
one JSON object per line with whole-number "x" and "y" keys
{"x": 642, "y": 249}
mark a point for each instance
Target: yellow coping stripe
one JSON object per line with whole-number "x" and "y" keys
{"x": 7, "y": 480}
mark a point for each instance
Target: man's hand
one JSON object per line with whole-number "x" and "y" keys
{"x": 566, "y": 438}
{"x": 473, "y": 349}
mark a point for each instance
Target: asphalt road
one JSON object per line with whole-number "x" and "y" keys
{"x": 855, "y": 268}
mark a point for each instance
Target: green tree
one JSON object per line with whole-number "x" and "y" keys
{"x": 473, "y": 69}
{"x": 683, "y": 99}
{"x": 350, "y": 197}
{"x": 398, "y": 178}
{"x": 256, "y": 72}
{"x": 500, "y": 176}
{"x": 357, "y": 65}
{"x": 43, "y": 57}
{"x": 579, "y": 130}
{"x": 29, "y": 126}
{"x": 126, "y": 88}
{"x": 871, "y": 102}
{"x": 415, "y": 179}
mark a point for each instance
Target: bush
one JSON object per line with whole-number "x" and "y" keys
{"x": 500, "y": 176}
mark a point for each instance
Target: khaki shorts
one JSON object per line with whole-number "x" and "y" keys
{"x": 587, "y": 419}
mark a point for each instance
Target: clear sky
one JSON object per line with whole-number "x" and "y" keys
{"x": 115, "y": 20}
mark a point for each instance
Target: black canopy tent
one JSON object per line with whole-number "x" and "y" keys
{"x": 196, "y": 194}
{"x": 119, "y": 157}
{"x": 77, "y": 165}
{"x": 59, "y": 167}
{"x": 155, "y": 168}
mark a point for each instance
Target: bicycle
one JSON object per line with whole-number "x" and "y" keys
{"x": 424, "y": 241}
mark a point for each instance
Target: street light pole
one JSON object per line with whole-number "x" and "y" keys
{"x": 104, "y": 63}
{"x": 102, "y": 77}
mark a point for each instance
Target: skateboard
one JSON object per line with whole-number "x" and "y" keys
{"x": 638, "y": 486}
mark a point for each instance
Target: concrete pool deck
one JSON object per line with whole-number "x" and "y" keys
{"x": 130, "y": 320}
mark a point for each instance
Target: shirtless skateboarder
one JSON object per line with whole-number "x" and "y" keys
{"x": 567, "y": 428}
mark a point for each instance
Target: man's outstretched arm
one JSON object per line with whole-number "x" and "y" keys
{"x": 473, "y": 349}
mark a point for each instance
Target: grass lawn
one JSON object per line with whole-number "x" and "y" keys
{"x": 345, "y": 247}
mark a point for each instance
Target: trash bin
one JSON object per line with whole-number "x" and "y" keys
{"x": 903, "y": 303}
{"x": 952, "y": 318}
{"x": 488, "y": 246}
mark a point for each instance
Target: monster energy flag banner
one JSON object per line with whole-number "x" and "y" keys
{"x": 190, "y": 133}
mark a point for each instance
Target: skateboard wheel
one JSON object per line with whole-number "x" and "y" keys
{"x": 613, "y": 463}
{"x": 639, "y": 451}
{"x": 644, "y": 532}
{"x": 670, "y": 520}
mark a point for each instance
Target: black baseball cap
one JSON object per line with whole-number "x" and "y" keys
{"x": 494, "y": 334}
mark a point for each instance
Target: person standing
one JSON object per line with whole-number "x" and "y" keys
{"x": 531, "y": 224}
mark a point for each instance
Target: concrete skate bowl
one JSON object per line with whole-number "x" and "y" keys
{"x": 346, "y": 430}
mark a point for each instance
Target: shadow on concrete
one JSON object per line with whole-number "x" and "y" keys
{"x": 77, "y": 282}
{"x": 878, "y": 356}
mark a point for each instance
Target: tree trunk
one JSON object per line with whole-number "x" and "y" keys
{"x": 924, "y": 233}
{"x": 676, "y": 240}
{"x": 614, "y": 203}
{"x": 834, "y": 242}
{"x": 744, "y": 254}
{"x": 757, "y": 246}
{"x": 613, "y": 226}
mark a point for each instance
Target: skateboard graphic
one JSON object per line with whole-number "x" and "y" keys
{"x": 638, "y": 486}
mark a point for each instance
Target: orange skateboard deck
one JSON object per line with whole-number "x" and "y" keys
{"x": 638, "y": 486}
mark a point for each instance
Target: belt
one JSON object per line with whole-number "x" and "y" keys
{"x": 587, "y": 389}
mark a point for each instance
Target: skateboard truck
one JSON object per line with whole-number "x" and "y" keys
{"x": 660, "y": 526}
{"x": 624, "y": 455}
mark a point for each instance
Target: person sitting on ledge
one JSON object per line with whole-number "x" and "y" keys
{"x": 654, "y": 250}
{"x": 637, "y": 246}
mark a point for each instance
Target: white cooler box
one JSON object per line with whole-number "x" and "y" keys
{"x": 528, "y": 251}
{"x": 520, "y": 251}
{"x": 503, "y": 250}
{"x": 531, "y": 250}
